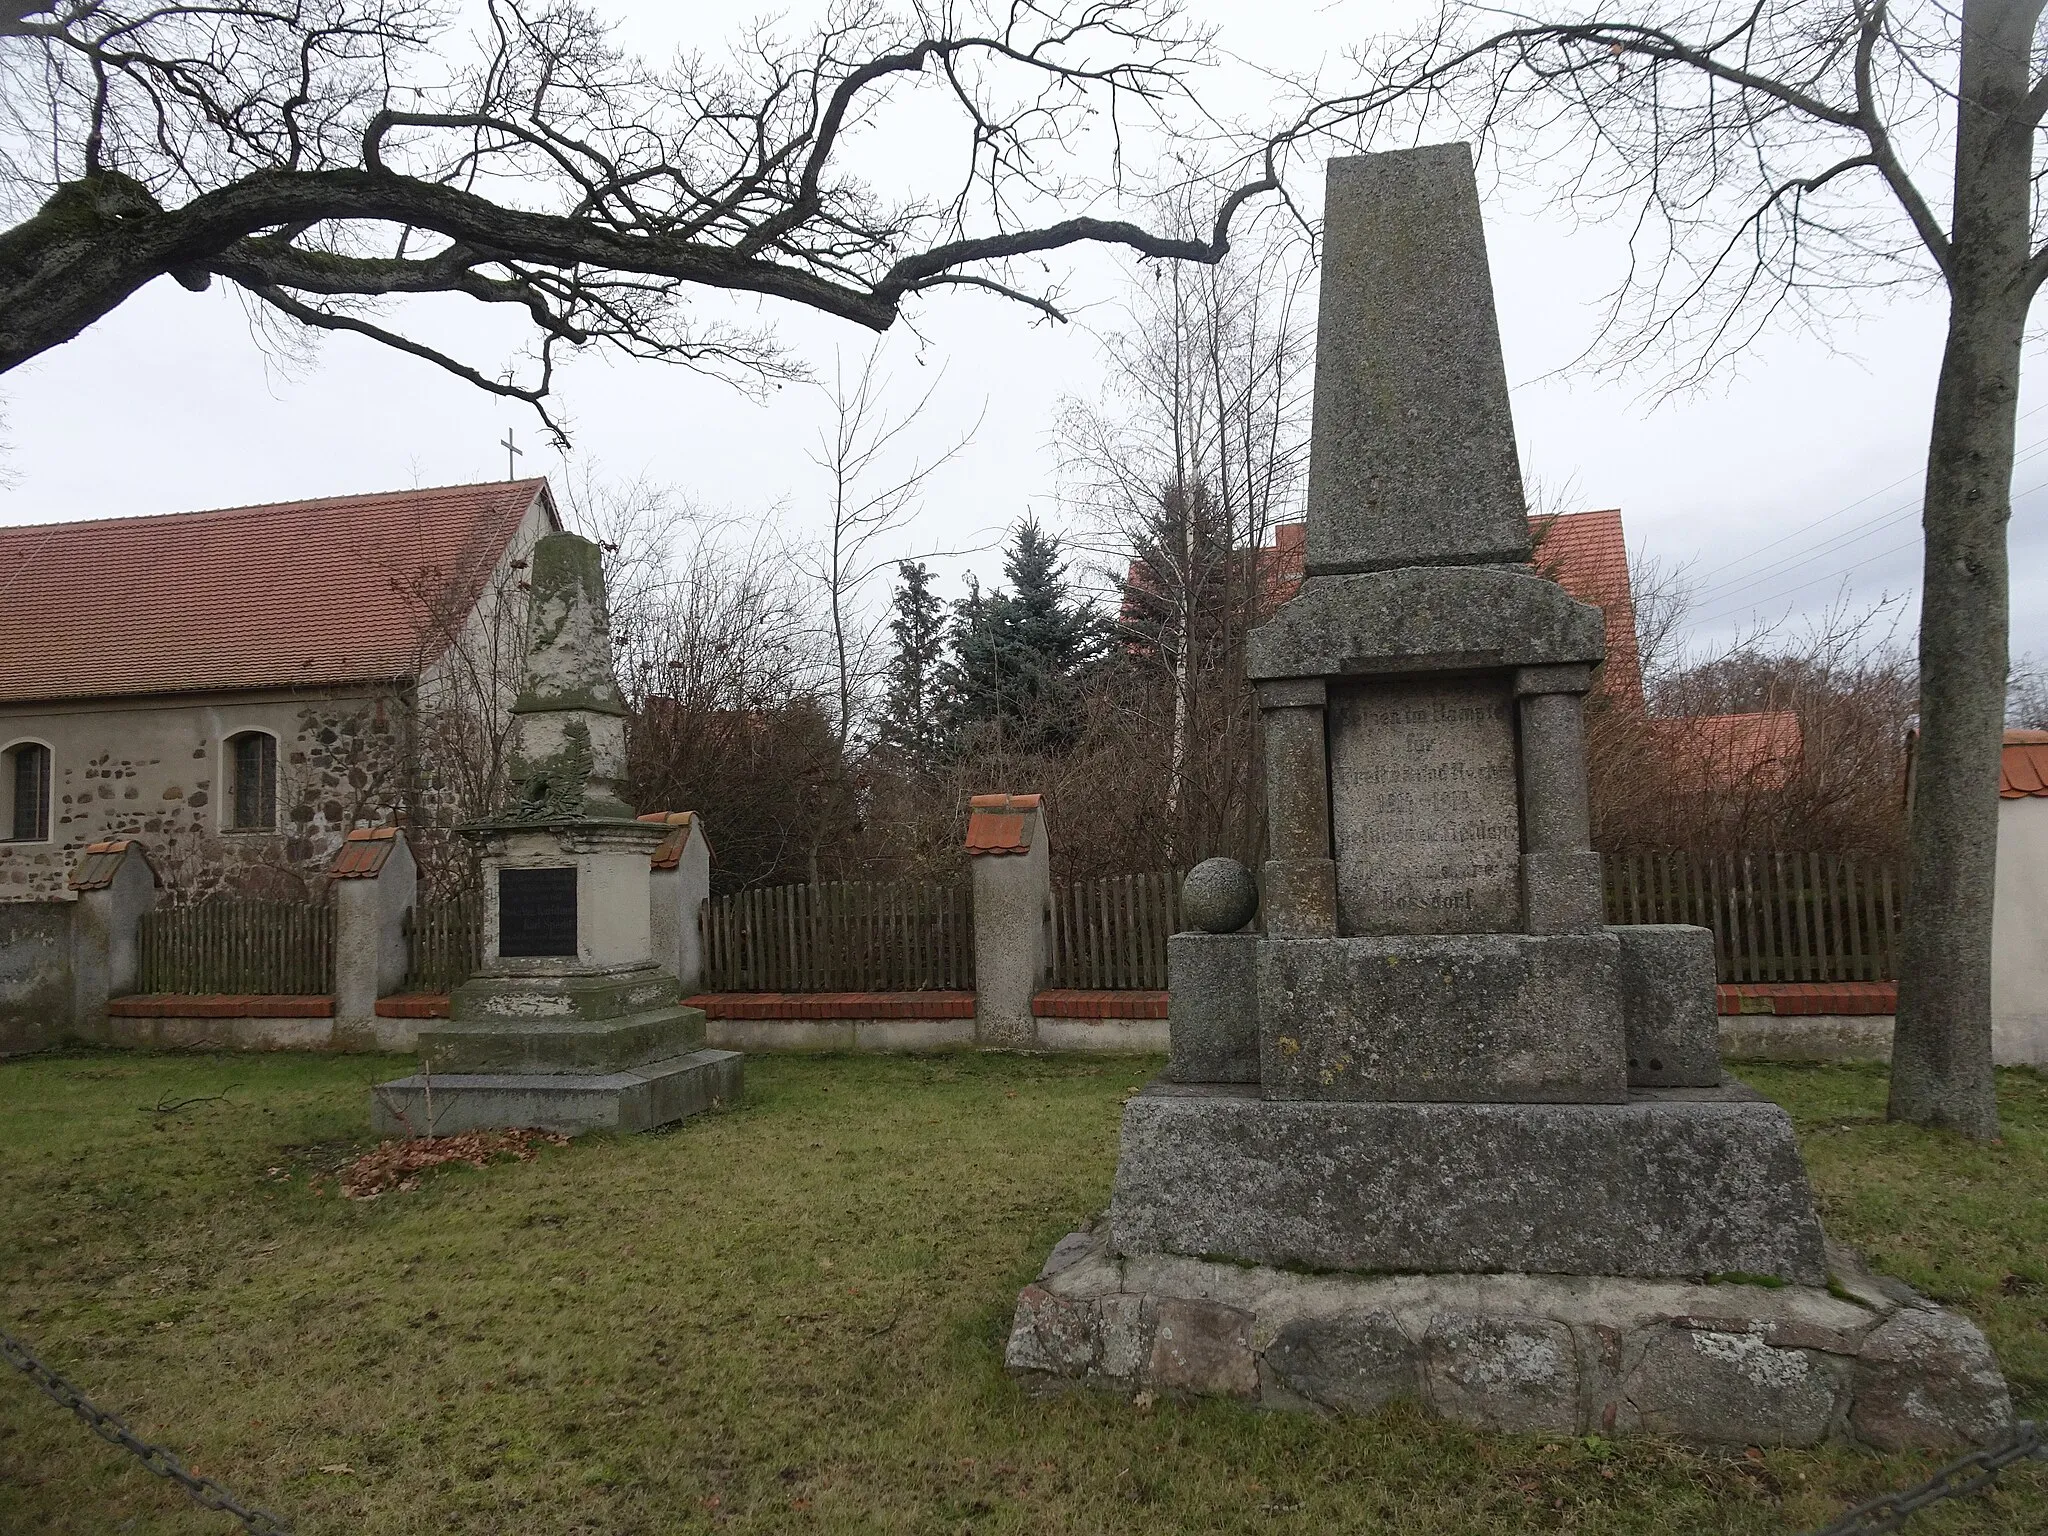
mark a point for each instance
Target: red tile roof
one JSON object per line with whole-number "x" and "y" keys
{"x": 1587, "y": 555}
{"x": 2023, "y": 766}
{"x": 1762, "y": 750}
{"x": 1000, "y": 823}
{"x": 291, "y": 594}
{"x": 364, "y": 853}
{"x": 684, "y": 825}
{"x": 102, "y": 861}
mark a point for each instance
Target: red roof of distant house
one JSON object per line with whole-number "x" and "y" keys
{"x": 1762, "y": 749}
{"x": 1586, "y": 554}
{"x": 1284, "y": 562}
{"x": 2023, "y": 766}
{"x": 299, "y": 593}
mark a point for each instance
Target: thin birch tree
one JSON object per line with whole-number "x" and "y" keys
{"x": 1195, "y": 449}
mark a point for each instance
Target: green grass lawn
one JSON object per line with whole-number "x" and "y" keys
{"x": 790, "y": 1317}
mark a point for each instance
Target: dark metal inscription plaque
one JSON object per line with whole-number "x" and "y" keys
{"x": 536, "y": 912}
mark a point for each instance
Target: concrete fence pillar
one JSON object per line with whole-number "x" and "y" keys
{"x": 375, "y": 885}
{"x": 1010, "y": 857}
{"x": 116, "y": 884}
{"x": 678, "y": 887}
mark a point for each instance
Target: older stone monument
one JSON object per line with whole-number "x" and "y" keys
{"x": 1436, "y": 1132}
{"x": 571, "y": 1024}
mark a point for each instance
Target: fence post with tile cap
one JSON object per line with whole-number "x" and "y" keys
{"x": 1009, "y": 855}
{"x": 375, "y": 884}
{"x": 116, "y": 884}
{"x": 678, "y": 886}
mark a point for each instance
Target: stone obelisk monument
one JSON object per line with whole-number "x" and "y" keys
{"x": 570, "y": 1024}
{"x": 1436, "y": 1132}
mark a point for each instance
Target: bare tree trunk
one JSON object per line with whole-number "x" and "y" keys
{"x": 1183, "y": 688}
{"x": 1941, "y": 1052}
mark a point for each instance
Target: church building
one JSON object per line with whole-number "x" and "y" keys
{"x": 240, "y": 688}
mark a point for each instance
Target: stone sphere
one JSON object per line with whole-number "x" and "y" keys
{"x": 1219, "y": 896}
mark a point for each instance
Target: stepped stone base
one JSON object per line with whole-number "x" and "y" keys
{"x": 568, "y": 1045}
{"x": 637, "y": 1099}
{"x": 1864, "y": 1360}
{"x": 1678, "y": 1182}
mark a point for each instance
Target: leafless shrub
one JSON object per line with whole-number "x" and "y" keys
{"x": 2026, "y": 694}
{"x": 722, "y": 658}
{"x": 1789, "y": 739}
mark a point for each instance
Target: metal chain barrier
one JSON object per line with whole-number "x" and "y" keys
{"x": 204, "y": 1490}
{"x": 1971, "y": 1474}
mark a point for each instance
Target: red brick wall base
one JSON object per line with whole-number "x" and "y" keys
{"x": 1849, "y": 998}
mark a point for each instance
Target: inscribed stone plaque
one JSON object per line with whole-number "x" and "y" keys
{"x": 1423, "y": 807}
{"x": 536, "y": 912}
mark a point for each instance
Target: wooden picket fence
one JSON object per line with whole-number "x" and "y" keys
{"x": 1775, "y": 916}
{"x": 444, "y": 942}
{"x": 840, "y": 936}
{"x": 239, "y": 946}
{"x": 1110, "y": 933}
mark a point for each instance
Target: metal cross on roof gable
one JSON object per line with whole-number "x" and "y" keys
{"x": 511, "y": 453}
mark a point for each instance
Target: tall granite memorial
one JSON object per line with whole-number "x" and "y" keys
{"x": 570, "y": 1024}
{"x": 1435, "y": 1131}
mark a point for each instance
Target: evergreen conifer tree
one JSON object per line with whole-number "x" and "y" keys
{"x": 1020, "y": 655}
{"x": 912, "y": 723}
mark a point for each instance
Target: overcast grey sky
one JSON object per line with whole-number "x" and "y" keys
{"x": 1793, "y": 480}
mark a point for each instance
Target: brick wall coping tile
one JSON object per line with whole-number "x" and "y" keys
{"x": 219, "y": 1005}
{"x": 1084, "y": 1003}
{"x": 834, "y": 1005}
{"x": 413, "y": 1005}
{"x": 1790, "y": 998}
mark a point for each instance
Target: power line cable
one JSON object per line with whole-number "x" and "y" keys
{"x": 1836, "y": 542}
{"x": 1727, "y": 610}
{"x": 1851, "y": 507}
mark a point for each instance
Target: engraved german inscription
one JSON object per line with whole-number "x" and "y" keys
{"x": 536, "y": 912}
{"x": 1423, "y": 807}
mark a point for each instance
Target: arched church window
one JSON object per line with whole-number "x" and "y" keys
{"x": 252, "y": 770}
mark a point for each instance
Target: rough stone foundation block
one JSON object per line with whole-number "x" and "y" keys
{"x": 1731, "y": 1364}
{"x": 1667, "y": 1005}
{"x": 1676, "y": 1182}
{"x": 635, "y": 1100}
{"x": 1497, "y": 1018}
{"x": 1212, "y": 1008}
{"x": 1926, "y": 1380}
{"x": 1738, "y": 1382}
{"x": 569, "y": 1046}
{"x": 1508, "y": 1372}
{"x": 1354, "y": 1362}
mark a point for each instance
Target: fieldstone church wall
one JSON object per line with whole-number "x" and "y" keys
{"x": 155, "y": 770}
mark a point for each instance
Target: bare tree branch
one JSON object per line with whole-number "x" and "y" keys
{"x": 319, "y": 150}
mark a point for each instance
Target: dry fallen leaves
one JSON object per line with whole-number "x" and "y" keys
{"x": 399, "y": 1164}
